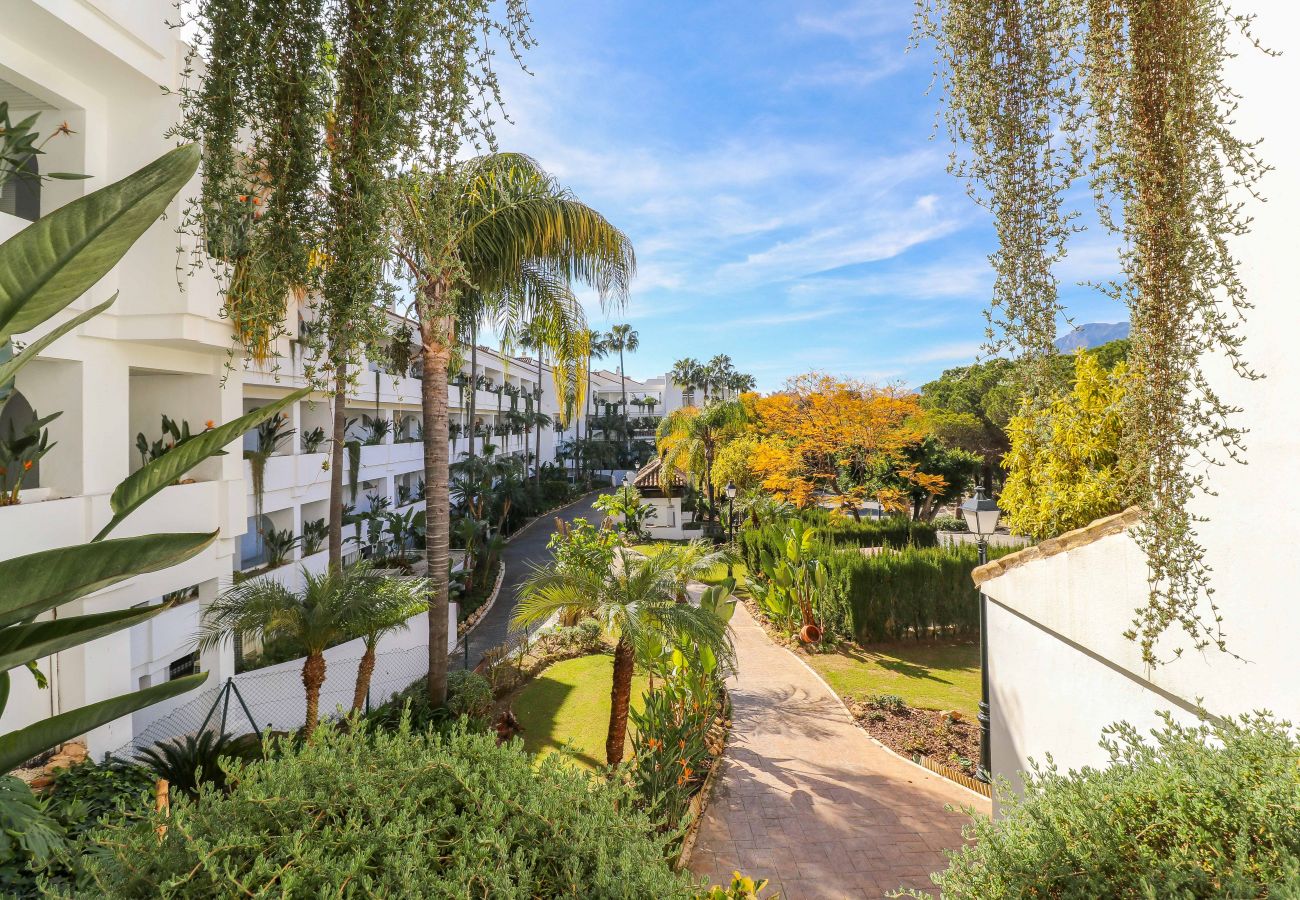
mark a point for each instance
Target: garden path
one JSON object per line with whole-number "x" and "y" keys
{"x": 807, "y": 800}
{"x": 526, "y": 548}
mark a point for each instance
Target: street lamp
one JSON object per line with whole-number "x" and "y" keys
{"x": 981, "y": 515}
{"x": 731, "y": 520}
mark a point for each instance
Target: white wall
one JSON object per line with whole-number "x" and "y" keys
{"x": 1060, "y": 667}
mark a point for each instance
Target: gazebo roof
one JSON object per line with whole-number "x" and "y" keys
{"x": 650, "y": 477}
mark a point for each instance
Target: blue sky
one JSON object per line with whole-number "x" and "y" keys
{"x": 773, "y": 163}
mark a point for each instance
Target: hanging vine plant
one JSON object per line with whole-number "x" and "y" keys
{"x": 256, "y": 112}
{"x": 1128, "y": 96}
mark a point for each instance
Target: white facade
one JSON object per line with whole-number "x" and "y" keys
{"x": 1060, "y": 668}
{"x": 163, "y": 349}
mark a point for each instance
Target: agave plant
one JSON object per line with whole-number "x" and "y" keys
{"x": 43, "y": 269}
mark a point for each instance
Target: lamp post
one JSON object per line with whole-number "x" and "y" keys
{"x": 981, "y": 515}
{"x": 731, "y": 519}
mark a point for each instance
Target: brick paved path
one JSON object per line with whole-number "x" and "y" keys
{"x": 807, "y": 800}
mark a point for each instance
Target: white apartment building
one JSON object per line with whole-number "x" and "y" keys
{"x": 162, "y": 350}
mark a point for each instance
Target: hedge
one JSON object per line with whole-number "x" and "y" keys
{"x": 914, "y": 592}
{"x": 395, "y": 814}
{"x": 894, "y": 531}
{"x": 1193, "y": 811}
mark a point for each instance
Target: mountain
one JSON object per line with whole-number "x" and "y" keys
{"x": 1094, "y": 334}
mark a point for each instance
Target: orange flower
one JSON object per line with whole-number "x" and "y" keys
{"x": 208, "y": 423}
{"x": 257, "y": 201}
{"x": 27, "y": 465}
{"x": 681, "y": 745}
{"x": 243, "y": 198}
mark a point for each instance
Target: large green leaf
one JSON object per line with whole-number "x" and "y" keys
{"x": 9, "y": 368}
{"x": 59, "y": 257}
{"x": 164, "y": 470}
{"x": 19, "y": 746}
{"x": 29, "y": 585}
{"x": 22, "y": 644}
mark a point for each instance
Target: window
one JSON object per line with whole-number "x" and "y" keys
{"x": 186, "y": 665}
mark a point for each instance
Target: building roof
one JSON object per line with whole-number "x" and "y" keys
{"x": 1071, "y": 540}
{"x": 649, "y": 476}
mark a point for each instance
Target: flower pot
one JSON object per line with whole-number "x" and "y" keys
{"x": 810, "y": 634}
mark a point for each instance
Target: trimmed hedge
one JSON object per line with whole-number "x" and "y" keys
{"x": 395, "y": 814}
{"x": 1203, "y": 811}
{"x": 914, "y": 592}
{"x": 894, "y": 531}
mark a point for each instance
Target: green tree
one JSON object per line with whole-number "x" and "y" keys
{"x": 1064, "y": 465}
{"x": 386, "y": 610}
{"x": 690, "y": 438}
{"x": 499, "y": 233}
{"x": 689, "y": 373}
{"x": 635, "y": 601}
{"x": 626, "y": 502}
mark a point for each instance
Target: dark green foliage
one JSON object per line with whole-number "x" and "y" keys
{"x": 30, "y": 837}
{"x": 1203, "y": 811}
{"x": 396, "y": 814}
{"x": 892, "y": 532}
{"x": 469, "y": 694}
{"x": 913, "y": 592}
{"x": 192, "y": 759}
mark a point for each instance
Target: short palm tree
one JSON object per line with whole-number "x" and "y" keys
{"x": 634, "y": 602}
{"x": 322, "y": 614}
{"x": 387, "y": 609}
{"x": 693, "y": 561}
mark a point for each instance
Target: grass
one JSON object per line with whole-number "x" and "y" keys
{"x": 568, "y": 705}
{"x": 925, "y": 675}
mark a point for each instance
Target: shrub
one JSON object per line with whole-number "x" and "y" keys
{"x": 469, "y": 694}
{"x": 401, "y": 814}
{"x": 887, "y": 702}
{"x": 949, "y": 523}
{"x": 187, "y": 760}
{"x": 1200, "y": 811}
{"x": 914, "y": 592}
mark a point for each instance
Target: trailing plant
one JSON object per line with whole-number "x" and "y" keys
{"x": 271, "y": 436}
{"x": 524, "y": 828}
{"x": 48, "y": 265}
{"x": 20, "y": 451}
{"x": 1210, "y": 810}
{"x": 1130, "y": 97}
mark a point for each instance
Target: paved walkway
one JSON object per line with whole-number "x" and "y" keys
{"x": 807, "y": 800}
{"x": 528, "y": 547}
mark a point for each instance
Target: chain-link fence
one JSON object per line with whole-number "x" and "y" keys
{"x": 274, "y": 698}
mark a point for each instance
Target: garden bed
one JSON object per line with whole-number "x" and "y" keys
{"x": 950, "y": 738}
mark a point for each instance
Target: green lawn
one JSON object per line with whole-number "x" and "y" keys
{"x": 930, "y": 676}
{"x": 568, "y": 704}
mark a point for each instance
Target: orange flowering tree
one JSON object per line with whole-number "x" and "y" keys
{"x": 842, "y": 437}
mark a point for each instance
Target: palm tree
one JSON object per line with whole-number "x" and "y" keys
{"x": 740, "y": 383}
{"x": 498, "y": 232}
{"x": 322, "y": 614}
{"x": 718, "y": 373}
{"x": 693, "y": 561}
{"x": 620, "y": 338}
{"x": 394, "y": 601}
{"x": 689, "y": 438}
{"x": 634, "y": 602}
{"x": 688, "y": 373}
{"x": 597, "y": 348}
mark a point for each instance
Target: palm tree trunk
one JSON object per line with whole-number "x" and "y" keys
{"x": 336, "y": 468}
{"x": 538, "y": 462}
{"x": 365, "y": 670}
{"x": 620, "y": 698}
{"x": 436, "y": 341}
{"x": 622, "y": 383}
{"x": 313, "y": 676}
{"x": 473, "y": 387}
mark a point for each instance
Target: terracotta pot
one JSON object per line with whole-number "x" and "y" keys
{"x": 810, "y": 634}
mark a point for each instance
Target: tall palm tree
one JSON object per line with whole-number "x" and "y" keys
{"x": 689, "y": 439}
{"x": 621, "y": 338}
{"x": 717, "y": 374}
{"x": 499, "y": 232}
{"x": 322, "y": 614}
{"x": 636, "y": 600}
{"x": 740, "y": 383}
{"x": 687, "y": 372}
{"x": 597, "y": 348}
